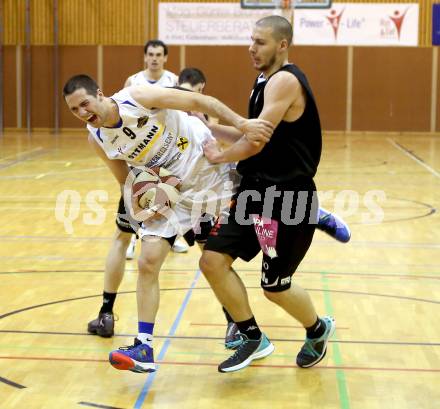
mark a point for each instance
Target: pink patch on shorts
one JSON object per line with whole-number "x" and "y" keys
{"x": 267, "y": 231}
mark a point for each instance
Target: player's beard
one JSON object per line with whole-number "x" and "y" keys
{"x": 268, "y": 65}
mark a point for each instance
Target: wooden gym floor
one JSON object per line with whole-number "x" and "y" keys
{"x": 383, "y": 289}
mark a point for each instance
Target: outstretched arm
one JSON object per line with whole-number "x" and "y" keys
{"x": 240, "y": 150}
{"x": 170, "y": 98}
{"x": 224, "y": 134}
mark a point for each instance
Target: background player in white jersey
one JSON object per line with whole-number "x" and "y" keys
{"x": 140, "y": 126}
{"x": 155, "y": 57}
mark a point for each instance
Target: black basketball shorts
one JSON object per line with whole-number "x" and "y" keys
{"x": 123, "y": 219}
{"x": 199, "y": 235}
{"x": 284, "y": 242}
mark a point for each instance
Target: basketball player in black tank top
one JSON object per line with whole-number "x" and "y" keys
{"x": 275, "y": 208}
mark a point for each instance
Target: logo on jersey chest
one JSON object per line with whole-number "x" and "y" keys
{"x": 182, "y": 143}
{"x": 122, "y": 149}
{"x": 141, "y": 149}
{"x": 142, "y": 121}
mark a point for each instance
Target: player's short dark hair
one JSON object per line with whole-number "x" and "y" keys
{"x": 191, "y": 75}
{"x": 78, "y": 82}
{"x": 281, "y": 27}
{"x": 156, "y": 43}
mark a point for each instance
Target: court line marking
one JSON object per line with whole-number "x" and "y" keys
{"x": 357, "y": 243}
{"x": 50, "y": 199}
{"x": 209, "y": 324}
{"x": 25, "y": 208}
{"x": 248, "y": 272}
{"x": 190, "y": 289}
{"x": 17, "y": 156}
{"x": 340, "y": 374}
{"x": 11, "y": 383}
{"x": 151, "y": 376}
{"x": 413, "y": 156}
{"x": 99, "y": 270}
{"x": 55, "y": 174}
{"x": 175, "y": 270}
{"x": 32, "y": 153}
{"x": 57, "y": 238}
{"x": 206, "y": 338}
{"x": 97, "y": 405}
{"x": 251, "y": 272}
{"x": 66, "y": 162}
{"x": 276, "y": 366}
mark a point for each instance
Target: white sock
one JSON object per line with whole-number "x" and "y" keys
{"x": 145, "y": 338}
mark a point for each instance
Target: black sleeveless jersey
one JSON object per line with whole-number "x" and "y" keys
{"x": 295, "y": 147}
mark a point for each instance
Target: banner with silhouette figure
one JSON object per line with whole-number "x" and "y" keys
{"x": 357, "y": 24}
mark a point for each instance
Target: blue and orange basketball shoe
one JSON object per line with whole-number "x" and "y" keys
{"x": 333, "y": 226}
{"x": 136, "y": 358}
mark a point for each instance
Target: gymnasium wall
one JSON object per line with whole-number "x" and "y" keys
{"x": 357, "y": 89}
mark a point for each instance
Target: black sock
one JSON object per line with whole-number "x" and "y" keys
{"x": 316, "y": 330}
{"x": 108, "y": 299}
{"x": 227, "y": 316}
{"x": 249, "y": 328}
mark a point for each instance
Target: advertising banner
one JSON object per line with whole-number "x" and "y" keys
{"x": 358, "y": 24}
{"x": 368, "y": 24}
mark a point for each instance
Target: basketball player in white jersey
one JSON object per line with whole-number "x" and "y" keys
{"x": 140, "y": 126}
{"x": 123, "y": 245}
{"x": 155, "y": 57}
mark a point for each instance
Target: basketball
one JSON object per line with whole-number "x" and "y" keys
{"x": 156, "y": 189}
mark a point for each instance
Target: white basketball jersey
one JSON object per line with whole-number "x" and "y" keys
{"x": 153, "y": 137}
{"x": 168, "y": 79}
{"x": 174, "y": 140}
